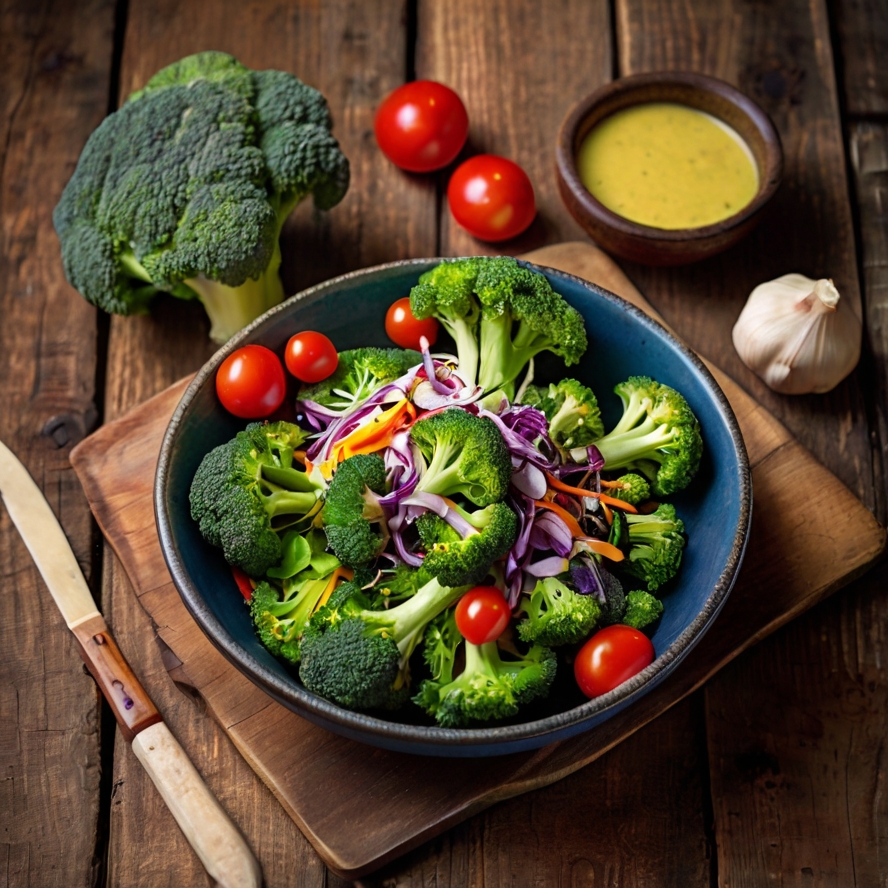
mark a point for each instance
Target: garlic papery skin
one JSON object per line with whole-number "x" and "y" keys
{"x": 797, "y": 335}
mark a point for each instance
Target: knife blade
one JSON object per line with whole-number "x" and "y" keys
{"x": 210, "y": 831}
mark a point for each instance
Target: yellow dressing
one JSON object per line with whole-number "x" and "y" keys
{"x": 667, "y": 166}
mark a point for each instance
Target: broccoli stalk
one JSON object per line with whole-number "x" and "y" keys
{"x": 185, "y": 188}
{"x": 489, "y": 687}
{"x": 358, "y": 657}
{"x": 657, "y": 435}
{"x": 556, "y": 614}
{"x": 246, "y": 492}
{"x": 656, "y": 544}
{"x": 500, "y": 314}
{"x": 464, "y": 454}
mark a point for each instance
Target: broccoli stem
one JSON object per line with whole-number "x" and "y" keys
{"x": 466, "y": 348}
{"x": 232, "y": 308}
{"x": 442, "y": 472}
{"x": 640, "y": 443}
{"x": 286, "y": 502}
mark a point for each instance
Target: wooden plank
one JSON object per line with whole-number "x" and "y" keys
{"x": 519, "y": 73}
{"x": 780, "y": 55}
{"x": 785, "y": 756}
{"x": 54, "y": 89}
{"x": 869, "y": 159}
{"x": 354, "y": 52}
{"x": 862, "y": 27}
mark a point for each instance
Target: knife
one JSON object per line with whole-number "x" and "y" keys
{"x": 217, "y": 841}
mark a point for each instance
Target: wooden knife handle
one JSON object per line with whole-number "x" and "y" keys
{"x": 130, "y": 702}
{"x": 209, "y": 830}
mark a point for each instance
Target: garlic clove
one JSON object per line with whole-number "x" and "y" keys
{"x": 797, "y": 335}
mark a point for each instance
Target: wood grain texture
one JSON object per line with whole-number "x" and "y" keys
{"x": 53, "y": 91}
{"x": 862, "y": 27}
{"x": 385, "y": 215}
{"x": 391, "y": 802}
{"x": 518, "y": 75}
{"x": 780, "y": 55}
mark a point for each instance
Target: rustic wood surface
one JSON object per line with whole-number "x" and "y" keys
{"x": 773, "y": 773}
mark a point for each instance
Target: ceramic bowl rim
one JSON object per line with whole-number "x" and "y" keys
{"x": 433, "y": 740}
{"x": 565, "y": 156}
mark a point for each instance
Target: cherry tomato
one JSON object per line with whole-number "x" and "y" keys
{"x": 491, "y": 197}
{"x": 610, "y": 657}
{"x": 482, "y": 614}
{"x": 404, "y": 329}
{"x": 421, "y": 126}
{"x": 251, "y": 383}
{"x": 311, "y": 356}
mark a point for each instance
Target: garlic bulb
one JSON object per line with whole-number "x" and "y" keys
{"x": 794, "y": 333}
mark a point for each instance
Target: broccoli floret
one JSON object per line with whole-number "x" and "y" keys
{"x": 556, "y": 614}
{"x": 352, "y": 513}
{"x": 521, "y": 316}
{"x": 395, "y": 585}
{"x": 656, "y": 544}
{"x": 571, "y": 409}
{"x": 185, "y": 188}
{"x": 630, "y": 488}
{"x": 359, "y": 658}
{"x": 465, "y": 454}
{"x": 447, "y": 292}
{"x": 360, "y": 372}
{"x": 281, "y": 615}
{"x": 500, "y": 314}
{"x": 489, "y": 687}
{"x": 247, "y": 491}
{"x": 456, "y": 559}
{"x": 657, "y": 435}
{"x": 642, "y": 609}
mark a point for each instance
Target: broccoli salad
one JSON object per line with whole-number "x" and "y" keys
{"x": 437, "y": 532}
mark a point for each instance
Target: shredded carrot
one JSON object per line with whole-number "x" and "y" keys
{"x": 581, "y": 491}
{"x": 608, "y": 512}
{"x": 378, "y": 433}
{"x": 600, "y": 546}
{"x": 341, "y": 572}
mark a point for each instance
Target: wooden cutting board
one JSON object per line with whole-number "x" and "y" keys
{"x": 359, "y": 806}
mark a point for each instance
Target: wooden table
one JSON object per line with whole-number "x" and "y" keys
{"x": 775, "y": 772}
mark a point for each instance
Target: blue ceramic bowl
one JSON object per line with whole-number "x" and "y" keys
{"x": 622, "y": 342}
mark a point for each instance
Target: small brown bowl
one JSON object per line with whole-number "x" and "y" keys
{"x": 657, "y": 246}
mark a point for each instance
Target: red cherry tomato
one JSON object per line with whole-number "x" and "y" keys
{"x": 421, "y": 126}
{"x": 311, "y": 356}
{"x": 251, "y": 383}
{"x": 610, "y": 657}
{"x": 404, "y": 329}
{"x": 491, "y": 197}
{"x": 482, "y": 614}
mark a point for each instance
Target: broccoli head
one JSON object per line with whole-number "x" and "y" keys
{"x": 657, "y": 435}
{"x": 352, "y": 513}
{"x": 500, "y": 315}
{"x": 457, "y": 559}
{"x": 358, "y": 657}
{"x": 360, "y": 372}
{"x": 571, "y": 409}
{"x": 247, "y": 491}
{"x": 642, "y": 609}
{"x": 656, "y": 544}
{"x": 630, "y": 488}
{"x": 556, "y": 614}
{"x": 185, "y": 188}
{"x": 464, "y": 454}
{"x": 489, "y": 688}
